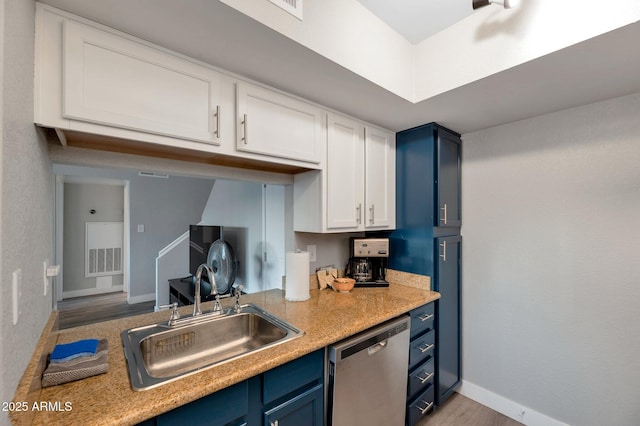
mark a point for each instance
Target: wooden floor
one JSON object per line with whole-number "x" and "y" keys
{"x": 91, "y": 309}
{"x": 459, "y": 410}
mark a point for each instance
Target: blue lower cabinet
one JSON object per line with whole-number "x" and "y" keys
{"x": 421, "y": 377}
{"x": 422, "y": 348}
{"x": 305, "y": 409}
{"x": 292, "y": 394}
{"x": 227, "y": 407}
{"x": 292, "y": 376}
{"x": 421, "y": 405}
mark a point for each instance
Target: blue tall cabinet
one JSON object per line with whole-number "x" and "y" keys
{"x": 427, "y": 238}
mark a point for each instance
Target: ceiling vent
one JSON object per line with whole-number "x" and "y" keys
{"x": 153, "y": 174}
{"x": 293, "y": 7}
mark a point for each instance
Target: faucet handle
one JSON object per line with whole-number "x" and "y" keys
{"x": 175, "y": 315}
{"x": 217, "y": 306}
{"x": 237, "y": 292}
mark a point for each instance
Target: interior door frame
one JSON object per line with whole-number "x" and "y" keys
{"x": 59, "y": 228}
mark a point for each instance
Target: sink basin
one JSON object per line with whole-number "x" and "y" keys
{"x": 157, "y": 354}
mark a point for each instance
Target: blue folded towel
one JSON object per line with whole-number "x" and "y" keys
{"x": 69, "y": 351}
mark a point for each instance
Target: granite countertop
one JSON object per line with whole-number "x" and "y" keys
{"x": 326, "y": 317}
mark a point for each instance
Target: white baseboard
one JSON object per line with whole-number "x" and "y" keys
{"x": 91, "y": 291}
{"x": 507, "y": 407}
{"x": 132, "y": 300}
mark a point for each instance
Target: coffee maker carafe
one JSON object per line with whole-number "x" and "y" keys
{"x": 368, "y": 262}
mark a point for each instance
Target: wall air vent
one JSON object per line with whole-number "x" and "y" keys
{"x": 103, "y": 244}
{"x": 293, "y": 7}
{"x": 153, "y": 174}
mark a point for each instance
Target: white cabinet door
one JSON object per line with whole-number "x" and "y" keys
{"x": 345, "y": 173}
{"x": 118, "y": 82}
{"x": 380, "y": 179}
{"x": 274, "y": 124}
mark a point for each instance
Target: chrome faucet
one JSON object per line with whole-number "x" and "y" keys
{"x": 196, "y": 303}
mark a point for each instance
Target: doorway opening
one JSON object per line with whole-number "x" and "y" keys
{"x": 92, "y": 240}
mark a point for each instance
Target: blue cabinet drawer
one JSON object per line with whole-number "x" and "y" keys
{"x": 420, "y": 378}
{"x": 421, "y": 348}
{"x": 292, "y": 376}
{"x": 225, "y": 407}
{"x": 420, "y": 406}
{"x": 422, "y": 319}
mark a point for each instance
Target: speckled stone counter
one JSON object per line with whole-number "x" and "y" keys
{"x": 326, "y": 317}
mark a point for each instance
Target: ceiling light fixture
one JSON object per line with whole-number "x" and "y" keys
{"x": 507, "y": 4}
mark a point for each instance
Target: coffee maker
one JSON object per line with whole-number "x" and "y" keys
{"x": 368, "y": 262}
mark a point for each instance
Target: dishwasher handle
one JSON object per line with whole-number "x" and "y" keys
{"x": 371, "y": 341}
{"x": 374, "y": 349}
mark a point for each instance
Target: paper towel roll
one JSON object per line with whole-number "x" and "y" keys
{"x": 297, "y": 276}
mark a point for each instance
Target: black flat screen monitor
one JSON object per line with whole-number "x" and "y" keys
{"x": 200, "y": 239}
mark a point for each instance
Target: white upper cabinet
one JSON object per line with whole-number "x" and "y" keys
{"x": 118, "y": 82}
{"x": 100, "y": 88}
{"x": 356, "y": 190}
{"x": 380, "y": 178}
{"x": 272, "y": 123}
{"x": 345, "y": 172}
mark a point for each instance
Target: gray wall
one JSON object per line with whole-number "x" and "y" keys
{"x": 79, "y": 199}
{"x": 166, "y": 208}
{"x": 551, "y": 248}
{"x": 239, "y": 204}
{"x": 25, "y": 199}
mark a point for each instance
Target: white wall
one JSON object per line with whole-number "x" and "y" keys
{"x": 551, "y": 255}
{"x": 493, "y": 39}
{"x": 347, "y": 33}
{"x": 487, "y": 42}
{"x": 239, "y": 204}
{"x": 26, "y": 192}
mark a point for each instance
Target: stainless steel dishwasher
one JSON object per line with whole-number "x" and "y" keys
{"x": 367, "y": 377}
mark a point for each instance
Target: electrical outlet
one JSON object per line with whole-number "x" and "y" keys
{"x": 45, "y": 279}
{"x": 312, "y": 253}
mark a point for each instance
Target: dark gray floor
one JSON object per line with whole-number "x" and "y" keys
{"x": 91, "y": 309}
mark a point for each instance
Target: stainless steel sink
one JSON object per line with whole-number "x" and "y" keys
{"x": 157, "y": 354}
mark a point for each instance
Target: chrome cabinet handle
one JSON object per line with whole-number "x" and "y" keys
{"x": 443, "y": 245}
{"x": 425, "y": 317}
{"x": 424, "y": 379}
{"x": 372, "y": 211}
{"x": 444, "y": 218}
{"x": 274, "y": 423}
{"x": 359, "y": 211}
{"x": 217, "y": 116}
{"x": 245, "y": 136}
{"x": 425, "y": 349}
{"x": 425, "y": 409}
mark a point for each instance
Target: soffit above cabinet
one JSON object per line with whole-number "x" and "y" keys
{"x": 217, "y": 34}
